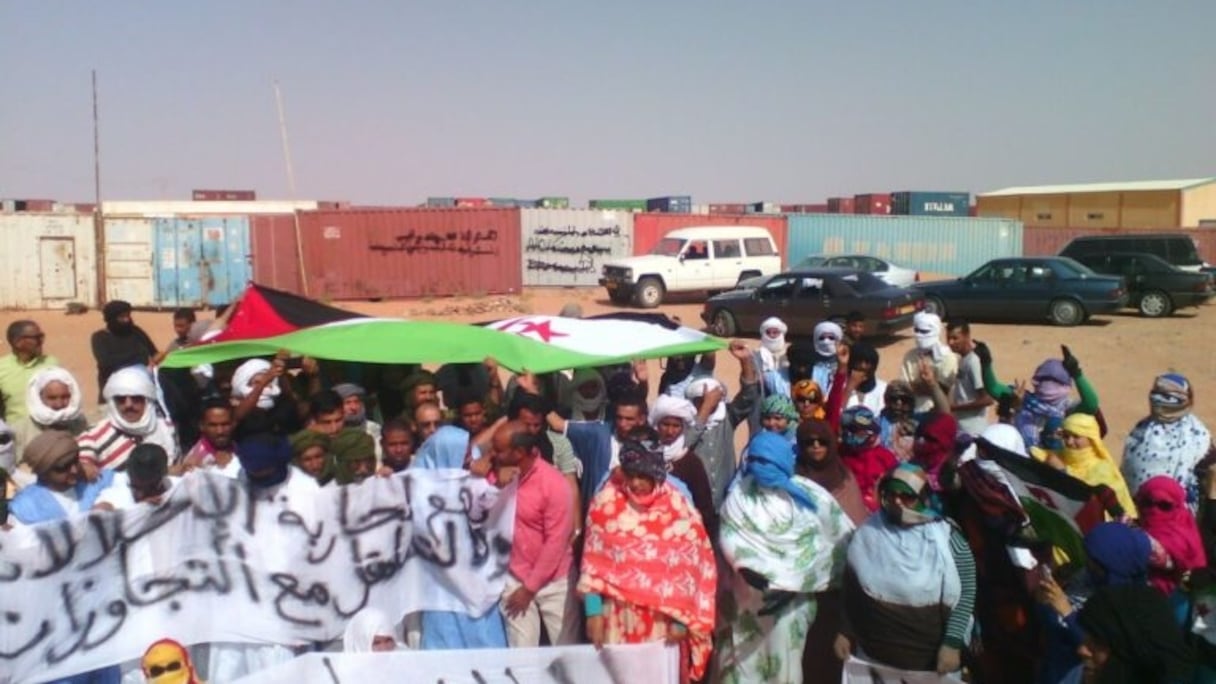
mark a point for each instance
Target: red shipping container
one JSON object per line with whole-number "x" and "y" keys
{"x": 877, "y": 203}
{"x": 973, "y": 211}
{"x": 367, "y": 254}
{"x": 472, "y": 202}
{"x": 804, "y": 208}
{"x": 84, "y": 208}
{"x": 272, "y": 250}
{"x": 1048, "y": 241}
{"x": 728, "y": 208}
{"x": 840, "y": 205}
{"x": 648, "y": 229}
{"x": 36, "y": 205}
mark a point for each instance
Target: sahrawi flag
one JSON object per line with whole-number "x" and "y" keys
{"x": 1061, "y": 508}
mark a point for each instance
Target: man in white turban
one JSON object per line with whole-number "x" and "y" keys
{"x": 930, "y": 351}
{"x": 132, "y": 418}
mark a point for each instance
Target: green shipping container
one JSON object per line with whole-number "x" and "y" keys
{"x": 618, "y": 204}
{"x": 553, "y": 203}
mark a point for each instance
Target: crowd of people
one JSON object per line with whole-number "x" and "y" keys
{"x": 866, "y": 518}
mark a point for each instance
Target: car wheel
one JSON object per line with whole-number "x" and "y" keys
{"x": 723, "y": 324}
{"x": 1066, "y": 312}
{"x": 649, "y": 293}
{"x": 1155, "y": 304}
{"x": 935, "y": 305}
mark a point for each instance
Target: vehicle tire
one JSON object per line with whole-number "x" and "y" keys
{"x": 935, "y": 305}
{"x": 723, "y": 324}
{"x": 619, "y": 297}
{"x": 1066, "y": 312}
{"x": 648, "y": 293}
{"x": 1155, "y": 304}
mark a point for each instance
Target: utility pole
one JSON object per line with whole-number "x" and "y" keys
{"x": 291, "y": 188}
{"x": 99, "y": 225}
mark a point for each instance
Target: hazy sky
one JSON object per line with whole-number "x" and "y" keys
{"x": 793, "y": 101}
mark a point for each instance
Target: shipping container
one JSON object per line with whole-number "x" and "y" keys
{"x": 224, "y": 195}
{"x": 175, "y": 208}
{"x": 872, "y": 203}
{"x": 566, "y": 247}
{"x": 649, "y": 228}
{"x": 273, "y": 256}
{"x": 440, "y": 202}
{"x": 48, "y": 261}
{"x": 8, "y": 205}
{"x": 503, "y": 202}
{"x": 840, "y": 205}
{"x": 129, "y": 258}
{"x": 368, "y": 254}
{"x": 84, "y": 208}
{"x": 1048, "y": 241}
{"x": 702, "y": 209}
{"x": 621, "y": 204}
{"x": 763, "y": 208}
{"x": 553, "y": 203}
{"x": 200, "y": 260}
{"x": 804, "y": 208}
{"x": 333, "y": 204}
{"x": 910, "y": 203}
{"x": 738, "y": 208}
{"x": 36, "y": 205}
{"x": 681, "y": 204}
{"x": 472, "y": 202}
{"x": 930, "y": 244}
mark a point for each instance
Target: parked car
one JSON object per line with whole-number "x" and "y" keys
{"x": 1154, "y": 286}
{"x": 804, "y": 297}
{"x": 695, "y": 259}
{"x": 1057, "y": 289}
{"x": 890, "y": 273}
{"x": 1178, "y": 249}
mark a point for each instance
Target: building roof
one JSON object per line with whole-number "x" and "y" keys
{"x": 1132, "y": 186}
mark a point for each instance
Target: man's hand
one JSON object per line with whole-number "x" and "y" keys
{"x": 1071, "y": 364}
{"x": 595, "y": 631}
{"x": 89, "y": 470}
{"x": 527, "y": 382}
{"x": 309, "y": 366}
{"x": 984, "y": 353}
{"x": 641, "y": 372}
{"x": 842, "y": 355}
{"x": 739, "y": 350}
{"x": 518, "y": 602}
{"x": 842, "y": 647}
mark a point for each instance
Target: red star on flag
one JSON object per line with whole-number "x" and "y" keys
{"x": 542, "y": 329}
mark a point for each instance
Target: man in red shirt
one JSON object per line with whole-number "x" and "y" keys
{"x": 538, "y": 587}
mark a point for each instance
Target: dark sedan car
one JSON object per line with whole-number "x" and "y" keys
{"x": 1055, "y": 289}
{"x": 1155, "y": 286}
{"x": 805, "y": 297}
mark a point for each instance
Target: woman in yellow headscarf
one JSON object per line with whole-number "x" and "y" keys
{"x": 1087, "y": 459}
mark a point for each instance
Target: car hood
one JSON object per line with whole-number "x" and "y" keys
{"x": 648, "y": 262}
{"x": 731, "y": 295}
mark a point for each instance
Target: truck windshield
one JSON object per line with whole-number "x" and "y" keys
{"x": 668, "y": 247}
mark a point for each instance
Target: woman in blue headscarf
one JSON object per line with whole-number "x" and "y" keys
{"x": 785, "y": 537}
{"x": 448, "y": 449}
{"x": 1049, "y": 396}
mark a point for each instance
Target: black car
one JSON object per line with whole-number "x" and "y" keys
{"x": 803, "y": 298}
{"x": 1155, "y": 286}
{"x": 1178, "y": 249}
{"x": 1055, "y": 289}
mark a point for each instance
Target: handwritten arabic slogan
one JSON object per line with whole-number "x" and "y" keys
{"x": 653, "y": 663}
{"x": 571, "y": 254}
{"x": 211, "y": 564}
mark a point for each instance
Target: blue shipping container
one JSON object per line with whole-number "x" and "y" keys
{"x": 679, "y": 204}
{"x": 201, "y": 261}
{"x": 936, "y": 245}
{"x": 441, "y": 202}
{"x": 930, "y": 203}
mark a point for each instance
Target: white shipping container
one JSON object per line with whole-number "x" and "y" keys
{"x": 567, "y": 247}
{"x": 174, "y": 208}
{"x": 130, "y": 275}
{"x": 46, "y": 260}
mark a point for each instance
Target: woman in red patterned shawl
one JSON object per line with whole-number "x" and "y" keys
{"x": 648, "y": 570}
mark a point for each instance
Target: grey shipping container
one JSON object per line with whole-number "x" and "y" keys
{"x": 679, "y": 204}
{"x": 930, "y": 203}
{"x": 440, "y": 202}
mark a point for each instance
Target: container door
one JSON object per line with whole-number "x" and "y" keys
{"x": 57, "y": 266}
{"x": 177, "y": 256}
{"x": 225, "y": 266}
{"x": 129, "y": 258}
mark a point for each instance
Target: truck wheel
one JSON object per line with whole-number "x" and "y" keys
{"x": 1155, "y": 304}
{"x": 649, "y": 293}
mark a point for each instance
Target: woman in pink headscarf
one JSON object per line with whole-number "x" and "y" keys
{"x": 1177, "y": 545}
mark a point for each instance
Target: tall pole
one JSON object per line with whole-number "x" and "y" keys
{"x": 99, "y": 226}
{"x": 291, "y": 188}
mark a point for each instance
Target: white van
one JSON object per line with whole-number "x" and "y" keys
{"x": 695, "y": 259}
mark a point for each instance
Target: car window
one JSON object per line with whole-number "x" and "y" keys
{"x": 758, "y": 246}
{"x": 841, "y": 287}
{"x": 811, "y": 262}
{"x": 697, "y": 249}
{"x": 810, "y": 288}
{"x": 1039, "y": 273}
{"x": 873, "y": 265}
{"x": 864, "y": 282}
{"x": 668, "y": 247}
{"x": 727, "y": 249}
{"x": 1071, "y": 268}
{"x": 841, "y": 262}
{"x": 779, "y": 287}
{"x": 1078, "y": 248}
{"x": 1000, "y": 272}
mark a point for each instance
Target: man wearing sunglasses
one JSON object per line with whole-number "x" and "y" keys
{"x": 131, "y": 419}
{"x": 25, "y": 338}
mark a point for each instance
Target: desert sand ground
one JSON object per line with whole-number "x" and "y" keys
{"x": 1120, "y": 353}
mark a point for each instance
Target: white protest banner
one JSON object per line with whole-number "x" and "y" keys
{"x": 653, "y": 663}
{"x": 859, "y": 671}
{"x": 212, "y": 564}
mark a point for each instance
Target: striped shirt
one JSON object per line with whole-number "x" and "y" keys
{"x": 108, "y": 446}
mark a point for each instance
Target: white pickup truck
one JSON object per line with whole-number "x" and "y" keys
{"x": 695, "y": 259}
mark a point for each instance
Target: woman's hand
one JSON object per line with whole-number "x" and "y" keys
{"x": 948, "y": 659}
{"x": 842, "y": 647}
{"x": 1050, "y": 594}
{"x": 595, "y": 631}
{"x": 89, "y": 470}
